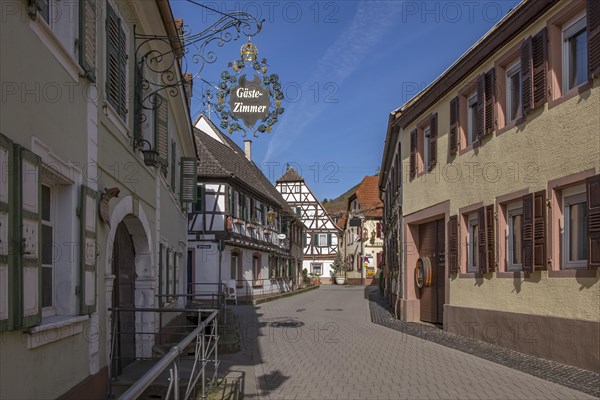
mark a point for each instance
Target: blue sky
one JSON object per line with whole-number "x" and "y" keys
{"x": 344, "y": 66}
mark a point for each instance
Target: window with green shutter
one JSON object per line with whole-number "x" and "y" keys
{"x": 116, "y": 62}
{"x": 188, "y": 187}
{"x": 199, "y": 204}
{"x": 29, "y": 193}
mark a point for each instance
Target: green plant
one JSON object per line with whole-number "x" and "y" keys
{"x": 337, "y": 266}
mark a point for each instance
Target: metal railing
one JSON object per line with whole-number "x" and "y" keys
{"x": 207, "y": 339}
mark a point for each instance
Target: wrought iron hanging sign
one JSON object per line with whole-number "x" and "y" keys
{"x": 249, "y": 100}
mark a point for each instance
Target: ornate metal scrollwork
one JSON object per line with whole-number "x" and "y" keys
{"x": 162, "y": 62}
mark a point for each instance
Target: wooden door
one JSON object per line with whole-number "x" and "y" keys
{"x": 431, "y": 245}
{"x": 123, "y": 265}
{"x": 427, "y": 248}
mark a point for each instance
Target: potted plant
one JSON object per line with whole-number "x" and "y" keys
{"x": 338, "y": 270}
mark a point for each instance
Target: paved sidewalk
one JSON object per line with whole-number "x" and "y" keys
{"x": 566, "y": 375}
{"x": 323, "y": 345}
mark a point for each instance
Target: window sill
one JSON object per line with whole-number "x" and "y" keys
{"x": 576, "y": 91}
{"x": 512, "y": 274}
{"x": 470, "y": 275}
{"x": 54, "y": 329}
{"x": 257, "y": 286}
{"x": 115, "y": 118}
{"x": 465, "y": 150}
{"x": 511, "y": 125}
{"x": 58, "y": 50}
{"x": 573, "y": 273}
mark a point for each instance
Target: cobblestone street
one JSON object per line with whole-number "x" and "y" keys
{"x": 324, "y": 345}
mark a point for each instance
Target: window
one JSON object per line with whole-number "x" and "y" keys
{"x": 575, "y": 238}
{"x": 513, "y": 92}
{"x": 514, "y": 224}
{"x": 426, "y": 146}
{"x": 256, "y": 269}
{"x": 116, "y": 62}
{"x": 199, "y": 204}
{"x": 48, "y": 218}
{"x": 472, "y": 118}
{"x": 473, "y": 244}
{"x": 236, "y": 204}
{"x": 234, "y": 265}
{"x": 575, "y": 58}
{"x": 316, "y": 268}
{"x": 322, "y": 240}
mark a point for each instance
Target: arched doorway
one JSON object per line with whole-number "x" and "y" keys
{"x": 123, "y": 266}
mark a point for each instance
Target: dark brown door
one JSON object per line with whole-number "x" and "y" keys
{"x": 123, "y": 265}
{"x": 431, "y": 245}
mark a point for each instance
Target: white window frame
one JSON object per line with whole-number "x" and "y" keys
{"x": 512, "y": 210}
{"x": 574, "y": 26}
{"x": 49, "y": 311}
{"x": 571, "y": 196}
{"x": 511, "y": 70}
{"x": 426, "y": 141}
{"x": 471, "y": 116}
{"x": 322, "y": 238}
{"x": 472, "y": 221}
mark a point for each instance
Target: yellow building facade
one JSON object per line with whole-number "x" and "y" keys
{"x": 501, "y": 187}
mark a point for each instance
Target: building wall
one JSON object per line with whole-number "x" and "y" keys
{"x": 556, "y": 141}
{"x": 62, "y": 117}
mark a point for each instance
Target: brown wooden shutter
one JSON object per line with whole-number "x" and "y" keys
{"x": 526, "y": 81}
{"x": 453, "y": 139}
{"x": 527, "y": 233}
{"x": 490, "y": 101}
{"x": 539, "y": 57}
{"x": 481, "y": 240}
{"x": 593, "y": 34}
{"x": 489, "y": 232}
{"x": 453, "y": 244}
{"x": 479, "y": 125}
{"x": 433, "y": 141}
{"x": 539, "y": 230}
{"x": 593, "y": 221}
{"x": 413, "y": 153}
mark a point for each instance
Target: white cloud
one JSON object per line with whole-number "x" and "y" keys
{"x": 342, "y": 58}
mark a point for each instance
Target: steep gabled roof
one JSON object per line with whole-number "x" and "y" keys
{"x": 291, "y": 175}
{"x": 220, "y": 157}
{"x": 367, "y": 194}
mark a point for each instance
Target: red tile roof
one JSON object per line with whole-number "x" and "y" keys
{"x": 367, "y": 194}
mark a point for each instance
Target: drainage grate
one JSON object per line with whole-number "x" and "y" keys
{"x": 334, "y": 309}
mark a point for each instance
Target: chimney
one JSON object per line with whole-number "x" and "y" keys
{"x": 248, "y": 149}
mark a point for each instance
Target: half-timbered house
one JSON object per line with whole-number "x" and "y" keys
{"x": 240, "y": 229}
{"x": 321, "y": 238}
